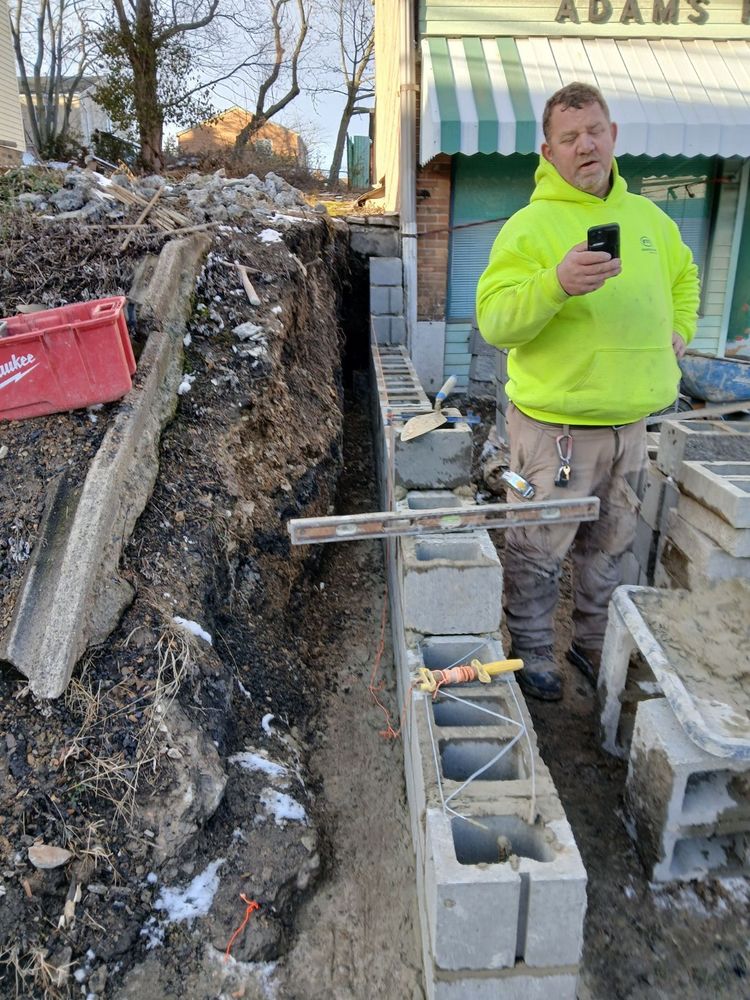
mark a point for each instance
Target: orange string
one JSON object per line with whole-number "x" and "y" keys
{"x": 376, "y": 685}
{"x": 462, "y": 674}
{"x": 250, "y": 907}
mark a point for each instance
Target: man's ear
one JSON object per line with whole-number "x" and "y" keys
{"x": 613, "y": 126}
{"x": 546, "y": 152}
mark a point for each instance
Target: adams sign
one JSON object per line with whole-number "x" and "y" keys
{"x": 632, "y": 12}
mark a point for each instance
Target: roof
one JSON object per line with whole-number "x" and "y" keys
{"x": 668, "y": 96}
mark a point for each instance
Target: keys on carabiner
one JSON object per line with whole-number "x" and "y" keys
{"x": 563, "y": 476}
{"x": 564, "y": 443}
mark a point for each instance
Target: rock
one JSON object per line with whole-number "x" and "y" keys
{"x": 98, "y": 980}
{"x": 3, "y": 451}
{"x": 48, "y": 856}
{"x": 65, "y": 200}
{"x": 31, "y": 200}
{"x": 58, "y": 966}
{"x": 320, "y": 208}
{"x": 196, "y": 789}
{"x": 248, "y": 331}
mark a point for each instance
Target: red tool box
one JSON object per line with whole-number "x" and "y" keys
{"x": 62, "y": 359}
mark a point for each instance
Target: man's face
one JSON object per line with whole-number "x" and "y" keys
{"x": 581, "y": 145}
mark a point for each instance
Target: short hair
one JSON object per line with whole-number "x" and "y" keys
{"x": 573, "y": 95}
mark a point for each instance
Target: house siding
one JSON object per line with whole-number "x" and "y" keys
{"x": 388, "y": 47}
{"x": 11, "y": 128}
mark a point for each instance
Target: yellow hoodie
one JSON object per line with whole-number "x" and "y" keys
{"x": 601, "y": 358}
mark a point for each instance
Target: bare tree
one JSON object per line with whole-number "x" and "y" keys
{"x": 51, "y": 40}
{"x": 355, "y": 40}
{"x": 285, "y": 31}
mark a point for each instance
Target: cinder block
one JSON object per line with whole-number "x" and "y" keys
{"x": 386, "y": 271}
{"x": 440, "y": 459}
{"x": 724, "y": 487}
{"x": 398, "y": 330}
{"x": 518, "y": 984}
{"x": 500, "y": 425}
{"x": 735, "y": 541}
{"x": 698, "y": 440}
{"x": 670, "y": 499}
{"x": 644, "y": 547}
{"x": 499, "y": 889}
{"x": 692, "y": 558}
{"x": 434, "y": 500}
{"x": 452, "y": 583}
{"x": 691, "y": 810}
{"x": 381, "y": 329}
{"x": 652, "y": 496}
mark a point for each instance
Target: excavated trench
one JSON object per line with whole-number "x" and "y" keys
{"x": 204, "y": 764}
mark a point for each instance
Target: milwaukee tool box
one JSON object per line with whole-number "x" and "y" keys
{"x": 62, "y": 359}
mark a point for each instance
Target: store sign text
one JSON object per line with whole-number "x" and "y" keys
{"x": 660, "y": 12}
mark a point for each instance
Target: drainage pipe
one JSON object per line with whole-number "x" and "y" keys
{"x": 408, "y": 167}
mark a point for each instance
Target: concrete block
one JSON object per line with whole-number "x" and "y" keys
{"x": 428, "y": 353}
{"x": 386, "y": 300}
{"x": 500, "y": 889}
{"x": 452, "y": 583}
{"x": 735, "y": 541}
{"x": 373, "y": 241}
{"x": 691, "y": 810}
{"x": 670, "y": 499}
{"x": 398, "y": 330}
{"x": 501, "y": 366}
{"x": 386, "y": 271}
{"x": 433, "y": 500}
{"x": 440, "y": 459}
{"x": 652, "y": 497}
{"x": 697, "y": 440}
{"x": 381, "y": 329}
{"x": 519, "y": 984}
{"x": 693, "y": 558}
{"x": 644, "y": 546}
{"x": 724, "y": 487}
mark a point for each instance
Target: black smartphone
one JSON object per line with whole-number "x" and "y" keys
{"x": 606, "y": 238}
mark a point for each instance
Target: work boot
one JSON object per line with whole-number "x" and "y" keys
{"x": 588, "y": 661}
{"x": 539, "y": 677}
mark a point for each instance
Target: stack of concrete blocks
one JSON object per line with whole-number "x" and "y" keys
{"x": 690, "y": 809}
{"x": 663, "y": 530}
{"x": 387, "y": 300}
{"x": 501, "y": 885}
{"x": 701, "y": 463}
{"x": 501, "y": 398}
{"x": 483, "y": 366}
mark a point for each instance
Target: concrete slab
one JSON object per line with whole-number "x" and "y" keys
{"x": 452, "y": 583}
{"x": 724, "y": 487}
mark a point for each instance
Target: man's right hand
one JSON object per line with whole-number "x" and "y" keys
{"x": 582, "y": 270}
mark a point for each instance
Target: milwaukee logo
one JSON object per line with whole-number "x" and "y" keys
{"x": 17, "y": 368}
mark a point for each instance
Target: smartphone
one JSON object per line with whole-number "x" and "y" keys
{"x": 606, "y": 238}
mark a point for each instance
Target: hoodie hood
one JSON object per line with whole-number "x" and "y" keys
{"x": 550, "y": 186}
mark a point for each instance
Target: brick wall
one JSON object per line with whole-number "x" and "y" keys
{"x": 433, "y": 213}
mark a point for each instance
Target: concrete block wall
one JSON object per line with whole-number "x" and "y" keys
{"x": 500, "y": 882}
{"x": 387, "y": 300}
{"x": 690, "y": 809}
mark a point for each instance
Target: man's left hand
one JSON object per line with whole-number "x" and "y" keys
{"x": 678, "y": 346}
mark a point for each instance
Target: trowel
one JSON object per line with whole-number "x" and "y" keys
{"x": 426, "y": 422}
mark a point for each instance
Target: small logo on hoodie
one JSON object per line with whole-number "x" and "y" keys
{"x": 647, "y": 245}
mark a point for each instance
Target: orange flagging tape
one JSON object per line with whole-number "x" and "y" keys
{"x": 250, "y": 907}
{"x": 454, "y": 675}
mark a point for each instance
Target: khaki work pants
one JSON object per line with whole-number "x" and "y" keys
{"x": 607, "y": 462}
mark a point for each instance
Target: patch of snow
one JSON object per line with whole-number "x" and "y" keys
{"x": 187, "y": 340}
{"x": 270, "y": 236}
{"x": 194, "y": 628}
{"x": 185, "y": 385}
{"x": 193, "y": 901}
{"x": 282, "y": 807}
{"x": 255, "y": 762}
{"x": 244, "y": 690}
{"x": 277, "y": 310}
{"x": 153, "y": 932}
{"x": 629, "y": 891}
{"x": 266, "y": 723}
{"x": 152, "y": 878}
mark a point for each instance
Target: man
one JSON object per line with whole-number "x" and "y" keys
{"x": 593, "y": 345}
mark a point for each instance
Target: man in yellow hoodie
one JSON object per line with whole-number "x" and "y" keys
{"x": 593, "y": 343}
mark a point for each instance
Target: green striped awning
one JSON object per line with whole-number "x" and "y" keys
{"x": 672, "y": 97}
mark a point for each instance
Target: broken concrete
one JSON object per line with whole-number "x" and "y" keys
{"x": 66, "y": 601}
